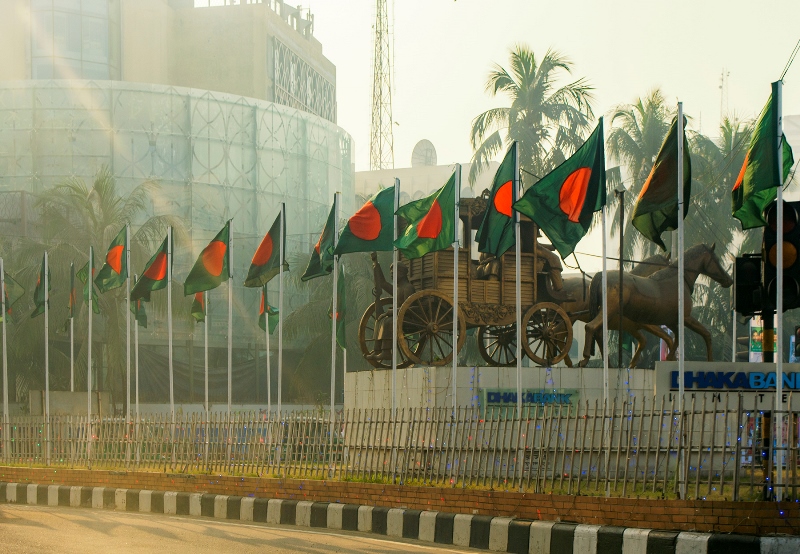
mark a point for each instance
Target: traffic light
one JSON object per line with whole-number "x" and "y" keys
{"x": 791, "y": 258}
{"x": 747, "y": 284}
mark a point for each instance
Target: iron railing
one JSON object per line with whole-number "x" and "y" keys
{"x": 717, "y": 449}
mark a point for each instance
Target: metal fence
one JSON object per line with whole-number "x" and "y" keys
{"x": 718, "y": 449}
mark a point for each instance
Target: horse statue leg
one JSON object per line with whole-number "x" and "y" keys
{"x": 641, "y": 343}
{"x": 591, "y": 330}
{"x": 674, "y": 348}
{"x": 698, "y": 328}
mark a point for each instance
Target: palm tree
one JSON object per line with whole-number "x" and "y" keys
{"x": 548, "y": 121}
{"x": 75, "y": 216}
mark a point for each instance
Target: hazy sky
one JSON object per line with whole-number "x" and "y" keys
{"x": 444, "y": 50}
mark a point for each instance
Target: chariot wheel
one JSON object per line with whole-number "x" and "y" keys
{"x": 426, "y": 319}
{"x": 367, "y": 339}
{"x": 498, "y": 344}
{"x": 548, "y": 333}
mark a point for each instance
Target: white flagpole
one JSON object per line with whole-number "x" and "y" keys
{"x": 136, "y": 353}
{"x": 280, "y": 307}
{"x": 334, "y": 310}
{"x": 394, "y": 297}
{"x": 230, "y": 317}
{"x": 205, "y": 350}
{"x": 127, "y": 322}
{"x": 518, "y": 269}
{"x": 605, "y": 308}
{"x": 71, "y": 328}
{"x": 456, "y": 245}
{"x": 47, "y": 355}
{"x": 681, "y": 283}
{"x": 89, "y": 345}
{"x": 777, "y": 419}
{"x": 733, "y": 325}
{"x": 6, "y": 453}
{"x": 169, "y": 323}
{"x": 269, "y": 366}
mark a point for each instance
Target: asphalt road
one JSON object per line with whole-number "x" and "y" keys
{"x": 37, "y": 529}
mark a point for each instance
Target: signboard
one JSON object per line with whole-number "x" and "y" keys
{"x": 734, "y": 380}
{"x": 507, "y": 398}
{"x": 757, "y": 340}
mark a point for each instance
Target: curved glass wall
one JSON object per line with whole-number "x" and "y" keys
{"x": 215, "y": 156}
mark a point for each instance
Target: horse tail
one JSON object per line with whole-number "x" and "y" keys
{"x": 595, "y": 296}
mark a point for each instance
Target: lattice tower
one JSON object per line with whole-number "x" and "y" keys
{"x": 381, "y": 145}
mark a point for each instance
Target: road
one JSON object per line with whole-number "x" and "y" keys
{"x": 37, "y": 529}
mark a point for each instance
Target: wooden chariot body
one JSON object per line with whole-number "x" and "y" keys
{"x": 486, "y": 302}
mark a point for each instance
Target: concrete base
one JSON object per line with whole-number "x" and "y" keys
{"x": 430, "y": 387}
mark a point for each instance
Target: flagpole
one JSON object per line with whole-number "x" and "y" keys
{"x": 681, "y": 282}
{"x": 230, "y": 317}
{"x": 605, "y": 309}
{"x": 47, "y": 357}
{"x": 334, "y": 312}
{"x": 169, "y": 323}
{"x": 394, "y": 297}
{"x": 518, "y": 270}
{"x": 269, "y": 367}
{"x": 71, "y": 327}
{"x": 136, "y": 353}
{"x": 733, "y": 325}
{"x": 5, "y": 361}
{"x": 280, "y": 307}
{"x": 127, "y": 335}
{"x": 778, "y": 418}
{"x": 89, "y": 360}
{"x": 205, "y": 349}
{"x": 456, "y": 245}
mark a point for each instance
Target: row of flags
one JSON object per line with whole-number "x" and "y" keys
{"x": 562, "y": 204}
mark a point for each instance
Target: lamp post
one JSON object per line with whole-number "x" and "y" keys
{"x": 620, "y": 193}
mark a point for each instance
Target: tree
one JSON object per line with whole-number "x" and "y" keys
{"x": 75, "y": 216}
{"x": 547, "y": 120}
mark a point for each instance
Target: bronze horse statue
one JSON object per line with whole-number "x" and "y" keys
{"x": 654, "y": 300}
{"x": 579, "y": 309}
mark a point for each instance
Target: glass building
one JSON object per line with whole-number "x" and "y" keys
{"x": 74, "y": 109}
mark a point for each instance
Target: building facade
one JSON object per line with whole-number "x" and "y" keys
{"x": 230, "y": 110}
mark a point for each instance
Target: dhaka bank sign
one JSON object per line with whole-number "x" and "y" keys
{"x": 734, "y": 380}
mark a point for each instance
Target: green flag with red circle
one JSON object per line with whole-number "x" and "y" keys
{"x": 267, "y": 262}
{"x": 115, "y": 269}
{"x": 83, "y": 276}
{"x": 321, "y": 262}
{"x": 656, "y": 208}
{"x": 267, "y": 312}
{"x": 155, "y": 274}
{"x": 563, "y": 202}
{"x": 430, "y": 222}
{"x": 212, "y": 267}
{"x": 496, "y": 233}
{"x": 138, "y": 310}
{"x": 199, "y": 307}
{"x": 756, "y": 186}
{"x": 371, "y": 228}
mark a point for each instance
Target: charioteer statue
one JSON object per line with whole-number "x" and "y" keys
{"x": 383, "y": 321}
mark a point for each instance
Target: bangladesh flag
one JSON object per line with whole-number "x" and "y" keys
{"x": 199, "y": 307}
{"x": 266, "y": 262}
{"x": 267, "y": 310}
{"x": 564, "y": 201}
{"x": 341, "y": 307}
{"x": 321, "y": 262}
{"x": 212, "y": 267}
{"x": 39, "y": 294}
{"x": 756, "y": 185}
{"x": 656, "y": 209}
{"x": 83, "y": 275}
{"x": 13, "y": 292}
{"x": 138, "y": 311}
{"x": 371, "y": 228}
{"x": 496, "y": 233}
{"x": 115, "y": 269}
{"x": 430, "y": 222}
{"x": 154, "y": 276}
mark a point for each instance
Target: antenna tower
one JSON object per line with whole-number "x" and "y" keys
{"x": 381, "y": 145}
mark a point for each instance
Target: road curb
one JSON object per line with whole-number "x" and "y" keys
{"x": 496, "y": 534}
